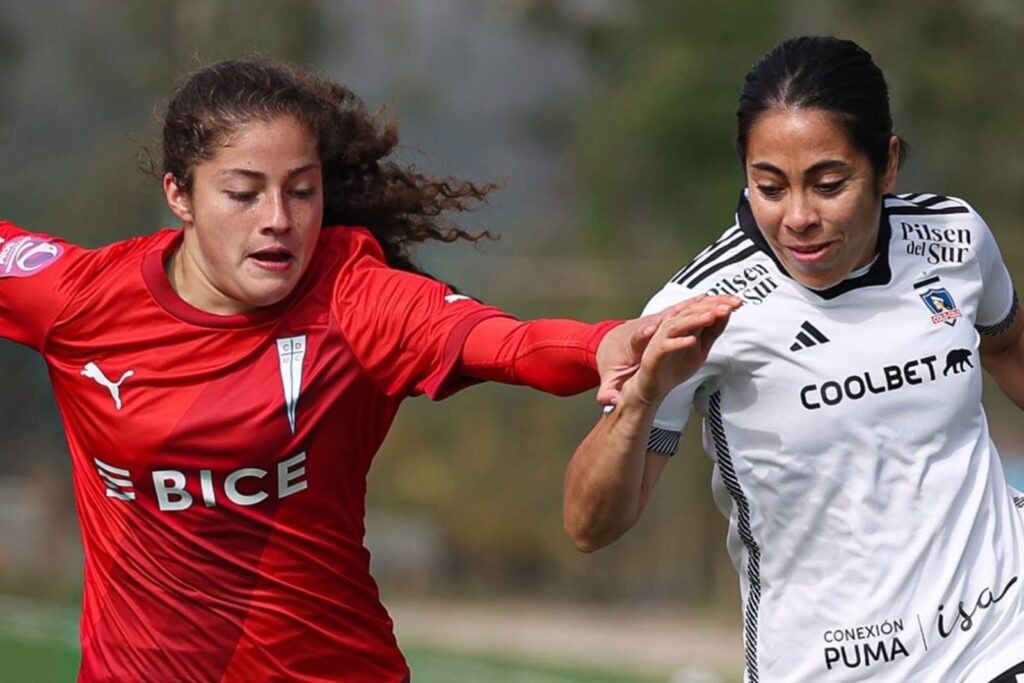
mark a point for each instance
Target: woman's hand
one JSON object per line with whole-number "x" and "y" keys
{"x": 680, "y": 345}
{"x": 623, "y": 349}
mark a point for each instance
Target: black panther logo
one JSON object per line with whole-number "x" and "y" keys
{"x": 957, "y": 360}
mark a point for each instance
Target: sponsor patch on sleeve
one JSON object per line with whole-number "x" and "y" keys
{"x": 27, "y": 255}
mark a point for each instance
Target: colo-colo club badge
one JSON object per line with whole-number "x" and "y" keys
{"x": 939, "y": 301}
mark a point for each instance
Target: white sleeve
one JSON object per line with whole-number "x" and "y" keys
{"x": 675, "y": 409}
{"x": 998, "y": 304}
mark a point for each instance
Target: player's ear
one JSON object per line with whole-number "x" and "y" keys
{"x": 177, "y": 199}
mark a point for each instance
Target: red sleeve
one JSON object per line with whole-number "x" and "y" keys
{"x": 556, "y": 356}
{"x": 406, "y": 330}
{"x": 35, "y": 283}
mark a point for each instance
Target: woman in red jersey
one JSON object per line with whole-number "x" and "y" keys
{"x": 225, "y": 386}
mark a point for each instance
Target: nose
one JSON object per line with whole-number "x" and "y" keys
{"x": 801, "y": 213}
{"x": 277, "y": 215}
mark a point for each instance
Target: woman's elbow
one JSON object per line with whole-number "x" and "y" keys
{"x": 589, "y": 536}
{"x": 585, "y": 542}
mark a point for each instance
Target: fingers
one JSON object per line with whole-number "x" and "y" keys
{"x": 648, "y": 324}
{"x": 697, "y": 317}
{"x": 607, "y": 396}
{"x": 714, "y": 331}
{"x": 701, "y": 301}
{"x": 642, "y": 333}
{"x": 684, "y": 331}
{"x": 677, "y": 344}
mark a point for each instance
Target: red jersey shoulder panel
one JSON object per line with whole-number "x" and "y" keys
{"x": 40, "y": 276}
{"x": 406, "y": 330}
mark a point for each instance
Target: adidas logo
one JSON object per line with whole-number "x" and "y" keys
{"x": 808, "y": 336}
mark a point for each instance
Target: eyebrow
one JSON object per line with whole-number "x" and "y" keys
{"x": 825, "y": 165}
{"x": 257, "y": 175}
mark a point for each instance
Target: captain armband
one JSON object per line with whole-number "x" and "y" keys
{"x": 664, "y": 441}
{"x": 1004, "y": 324}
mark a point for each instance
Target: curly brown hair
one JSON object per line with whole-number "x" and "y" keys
{"x": 400, "y": 205}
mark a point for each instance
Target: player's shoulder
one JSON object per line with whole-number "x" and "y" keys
{"x": 912, "y": 211}
{"x": 139, "y": 246}
{"x": 734, "y": 264}
{"x": 346, "y": 249}
{"x": 927, "y": 204}
{"x": 937, "y": 227}
{"x": 353, "y": 262}
{"x": 24, "y": 252}
{"x": 121, "y": 260}
{"x": 350, "y": 242}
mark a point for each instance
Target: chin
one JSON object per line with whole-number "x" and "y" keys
{"x": 267, "y": 291}
{"x": 263, "y": 299}
{"x": 817, "y": 281}
{"x": 820, "y": 286}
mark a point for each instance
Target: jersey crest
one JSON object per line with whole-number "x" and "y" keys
{"x": 291, "y": 351}
{"x": 940, "y": 302}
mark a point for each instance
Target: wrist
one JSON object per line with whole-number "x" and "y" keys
{"x": 633, "y": 396}
{"x": 631, "y": 416}
{"x": 593, "y": 345}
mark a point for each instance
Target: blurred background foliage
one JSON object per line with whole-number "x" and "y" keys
{"x": 612, "y": 126}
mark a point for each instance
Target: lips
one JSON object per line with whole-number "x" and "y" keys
{"x": 271, "y": 254}
{"x": 810, "y": 253}
{"x": 272, "y": 258}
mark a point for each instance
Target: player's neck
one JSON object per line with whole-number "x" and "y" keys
{"x": 189, "y": 283}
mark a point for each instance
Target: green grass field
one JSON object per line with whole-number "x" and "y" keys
{"x": 39, "y": 644}
{"x": 445, "y": 667}
{"x": 34, "y": 661}
{"x": 48, "y": 661}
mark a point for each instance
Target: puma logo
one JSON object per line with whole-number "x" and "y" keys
{"x": 92, "y": 371}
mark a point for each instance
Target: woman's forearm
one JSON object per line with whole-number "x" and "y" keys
{"x": 609, "y": 478}
{"x": 552, "y": 355}
{"x": 1007, "y": 369}
{"x": 1002, "y": 356}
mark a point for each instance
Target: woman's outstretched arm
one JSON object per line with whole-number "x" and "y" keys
{"x": 611, "y": 476}
{"x": 562, "y": 357}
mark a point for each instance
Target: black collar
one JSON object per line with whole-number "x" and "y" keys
{"x": 878, "y": 274}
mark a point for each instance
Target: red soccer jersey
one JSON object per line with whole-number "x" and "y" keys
{"x": 220, "y": 461}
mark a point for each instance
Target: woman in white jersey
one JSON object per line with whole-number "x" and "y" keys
{"x": 869, "y": 520}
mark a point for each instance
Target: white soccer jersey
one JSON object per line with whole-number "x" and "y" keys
{"x": 869, "y": 519}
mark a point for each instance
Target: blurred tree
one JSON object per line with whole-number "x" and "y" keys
{"x": 653, "y": 148}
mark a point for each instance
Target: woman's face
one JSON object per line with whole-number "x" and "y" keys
{"x": 251, "y": 220}
{"x": 814, "y": 195}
